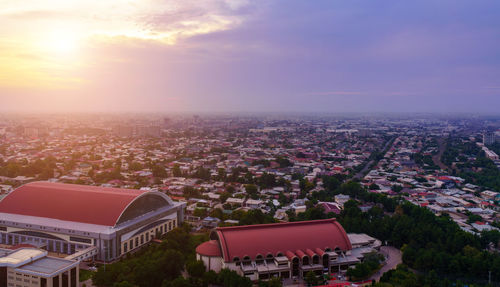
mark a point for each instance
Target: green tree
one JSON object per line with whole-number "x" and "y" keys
{"x": 251, "y": 189}
{"x": 176, "y": 171}
{"x": 311, "y": 279}
{"x": 195, "y": 268}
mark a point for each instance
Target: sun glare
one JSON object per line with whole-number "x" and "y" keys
{"x": 62, "y": 43}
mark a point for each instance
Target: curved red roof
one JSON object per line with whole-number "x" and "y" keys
{"x": 209, "y": 248}
{"x": 310, "y": 252}
{"x": 240, "y": 241}
{"x": 70, "y": 202}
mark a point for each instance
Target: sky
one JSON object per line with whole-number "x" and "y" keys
{"x": 250, "y": 56}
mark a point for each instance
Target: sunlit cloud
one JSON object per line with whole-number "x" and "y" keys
{"x": 46, "y": 42}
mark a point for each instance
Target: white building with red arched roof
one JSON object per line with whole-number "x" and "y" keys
{"x": 286, "y": 250}
{"x": 70, "y": 218}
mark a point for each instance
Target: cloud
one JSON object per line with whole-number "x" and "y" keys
{"x": 163, "y": 21}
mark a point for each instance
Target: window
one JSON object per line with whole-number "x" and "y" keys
{"x": 81, "y": 240}
{"x": 236, "y": 260}
{"x": 259, "y": 259}
{"x": 269, "y": 258}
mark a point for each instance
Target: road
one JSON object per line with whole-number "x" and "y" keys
{"x": 437, "y": 157}
{"x": 393, "y": 258}
{"x": 367, "y": 166}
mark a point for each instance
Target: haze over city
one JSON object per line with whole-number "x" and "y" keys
{"x": 240, "y": 143}
{"x": 250, "y": 56}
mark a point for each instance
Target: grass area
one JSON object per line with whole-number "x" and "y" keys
{"x": 85, "y": 274}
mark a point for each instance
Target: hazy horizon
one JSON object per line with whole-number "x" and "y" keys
{"x": 213, "y": 57}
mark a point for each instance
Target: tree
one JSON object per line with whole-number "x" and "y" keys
{"x": 176, "y": 171}
{"x": 195, "y": 268}
{"x": 221, "y": 174}
{"x": 159, "y": 171}
{"x": 473, "y": 218}
{"x": 251, "y": 189}
{"x": 134, "y": 166}
{"x": 123, "y": 284}
{"x": 200, "y": 212}
{"x": 396, "y": 188}
{"x": 311, "y": 279}
{"x": 229, "y": 278}
{"x": 177, "y": 282}
{"x": 274, "y": 282}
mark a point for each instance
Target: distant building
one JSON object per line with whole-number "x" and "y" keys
{"x": 86, "y": 221}
{"x": 489, "y": 138}
{"x": 365, "y": 132}
{"x": 137, "y": 130}
{"x": 35, "y": 132}
{"x": 341, "y": 199}
{"x": 286, "y": 250}
{"x": 28, "y": 266}
{"x": 148, "y": 130}
{"x": 124, "y": 131}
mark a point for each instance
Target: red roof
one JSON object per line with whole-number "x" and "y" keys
{"x": 209, "y": 248}
{"x": 286, "y": 238}
{"x": 70, "y": 202}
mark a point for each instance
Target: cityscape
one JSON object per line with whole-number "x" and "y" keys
{"x": 236, "y": 143}
{"x": 208, "y": 175}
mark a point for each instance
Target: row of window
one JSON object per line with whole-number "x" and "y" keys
{"x": 3, "y": 228}
{"x": 145, "y": 237}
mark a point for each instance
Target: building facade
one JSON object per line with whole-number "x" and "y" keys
{"x": 86, "y": 221}
{"x": 286, "y": 250}
{"x": 31, "y": 267}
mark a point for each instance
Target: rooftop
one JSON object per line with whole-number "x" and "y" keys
{"x": 79, "y": 203}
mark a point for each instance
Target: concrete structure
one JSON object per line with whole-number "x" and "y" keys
{"x": 31, "y": 267}
{"x": 72, "y": 219}
{"x": 286, "y": 250}
{"x": 489, "y": 138}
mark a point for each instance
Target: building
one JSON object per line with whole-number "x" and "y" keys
{"x": 30, "y": 267}
{"x": 286, "y": 250}
{"x": 86, "y": 221}
{"x": 489, "y": 138}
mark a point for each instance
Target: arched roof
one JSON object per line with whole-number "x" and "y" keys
{"x": 78, "y": 203}
{"x": 209, "y": 248}
{"x": 251, "y": 240}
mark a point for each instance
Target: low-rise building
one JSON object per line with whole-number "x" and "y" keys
{"x": 30, "y": 267}
{"x": 286, "y": 250}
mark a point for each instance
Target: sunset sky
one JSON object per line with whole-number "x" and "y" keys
{"x": 247, "y": 56}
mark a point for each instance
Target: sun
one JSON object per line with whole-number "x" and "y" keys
{"x": 62, "y": 42}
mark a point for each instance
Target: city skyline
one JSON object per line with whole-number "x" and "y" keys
{"x": 244, "y": 56}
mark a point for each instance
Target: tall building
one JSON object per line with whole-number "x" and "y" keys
{"x": 489, "y": 138}
{"x": 86, "y": 221}
{"x": 286, "y": 250}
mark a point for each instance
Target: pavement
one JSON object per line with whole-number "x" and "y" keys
{"x": 437, "y": 157}
{"x": 393, "y": 258}
{"x": 367, "y": 166}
